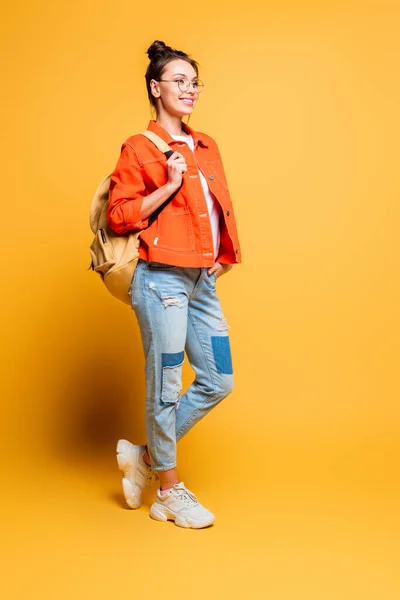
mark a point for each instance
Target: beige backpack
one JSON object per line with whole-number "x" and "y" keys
{"x": 115, "y": 256}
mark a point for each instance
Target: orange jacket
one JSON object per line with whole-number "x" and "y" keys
{"x": 181, "y": 235}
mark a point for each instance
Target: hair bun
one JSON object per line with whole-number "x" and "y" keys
{"x": 158, "y": 48}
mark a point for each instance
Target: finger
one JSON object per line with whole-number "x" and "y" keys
{"x": 179, "y": 161}
{"x": 178, "y": 166}
{"x": 181, "y": 168}
{"x": 174, "y": 156}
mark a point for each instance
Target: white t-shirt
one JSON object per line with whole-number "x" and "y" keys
{"x": 212, "y": 203}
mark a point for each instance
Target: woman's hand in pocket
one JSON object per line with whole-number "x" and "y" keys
{"x": 219, "y": 269}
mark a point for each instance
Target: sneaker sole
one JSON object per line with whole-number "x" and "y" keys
{"x": 126, "y": 455}
{"x": 160, "y": 513}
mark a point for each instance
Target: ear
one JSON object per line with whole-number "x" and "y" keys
{"x": 155, "y": 88}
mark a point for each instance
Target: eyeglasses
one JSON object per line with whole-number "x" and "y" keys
{"x": 184, "y": 84}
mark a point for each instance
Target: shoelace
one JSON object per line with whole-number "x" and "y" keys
{"x": 187, "y": 497}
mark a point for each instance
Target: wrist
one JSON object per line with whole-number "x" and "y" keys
{"x": 170, "y": 188}
{"x": 226, "y": 267}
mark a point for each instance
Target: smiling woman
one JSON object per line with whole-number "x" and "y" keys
{"x": 183, "y": 251}
{"x": 171, "y": 66}
{"x": 184, "y": 87}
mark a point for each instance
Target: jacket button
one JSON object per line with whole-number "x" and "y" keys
{"x": 237, "y": 251}
{"x": 227, "y": 213}
{"x": 211, "y": 177}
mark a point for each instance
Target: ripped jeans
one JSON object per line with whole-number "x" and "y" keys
{"x": 178, "y": 310}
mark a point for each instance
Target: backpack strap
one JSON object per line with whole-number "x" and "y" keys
{"x": 163, "y": 146}
{"x": 99, "y": 201}
{"x": 159, "y": 142}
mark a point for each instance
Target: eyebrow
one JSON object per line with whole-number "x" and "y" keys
{"x": 183, "y": 75}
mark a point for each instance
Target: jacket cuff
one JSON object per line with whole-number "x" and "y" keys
{"x": 132, "y": 215}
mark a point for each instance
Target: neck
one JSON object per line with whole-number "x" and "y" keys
{"x": 170, "y": 123}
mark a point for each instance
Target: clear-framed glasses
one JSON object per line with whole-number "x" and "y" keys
{"x": 184, "y": 84}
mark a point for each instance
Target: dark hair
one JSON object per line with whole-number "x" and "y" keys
{"x": 160, "y": 55}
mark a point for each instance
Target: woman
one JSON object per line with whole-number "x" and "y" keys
{"x": 192, "y": 241}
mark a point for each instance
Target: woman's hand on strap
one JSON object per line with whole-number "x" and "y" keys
{"x": 176, "y": 168}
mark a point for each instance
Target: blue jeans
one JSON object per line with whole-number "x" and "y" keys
{"x": 178, "y": 310}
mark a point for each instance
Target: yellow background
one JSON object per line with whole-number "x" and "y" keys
{"x": 301, "y": 463}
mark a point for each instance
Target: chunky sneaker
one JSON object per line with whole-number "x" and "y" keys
{"x": 181, "y": 506}
{"x": 137, "y": 474}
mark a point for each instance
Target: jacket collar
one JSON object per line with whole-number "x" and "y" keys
{"x": 164, "y": 135}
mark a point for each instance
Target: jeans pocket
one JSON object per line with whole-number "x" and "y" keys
{"x": 211, "y": 279}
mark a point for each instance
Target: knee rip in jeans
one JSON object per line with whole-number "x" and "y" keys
{"x": 171, "y": 384}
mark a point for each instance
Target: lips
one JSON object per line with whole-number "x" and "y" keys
{"x": 188, "y": 101}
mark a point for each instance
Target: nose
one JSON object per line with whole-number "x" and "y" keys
{"x": 192, "y": 87}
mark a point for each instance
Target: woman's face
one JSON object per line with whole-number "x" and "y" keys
{"x": 168, "y": 93}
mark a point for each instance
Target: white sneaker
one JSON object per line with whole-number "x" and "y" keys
{"x": 181, "y": 505}
{"x": 137, "y": 474}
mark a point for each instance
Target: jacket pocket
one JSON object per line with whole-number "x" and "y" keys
{"x": 214, "y": 171}
{"x": 175, "y": 230}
